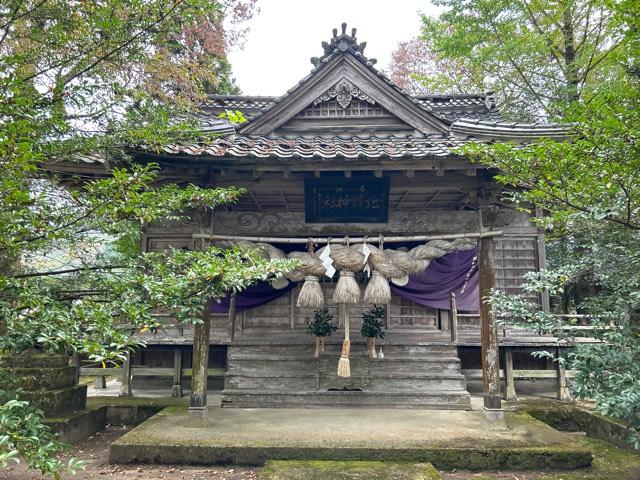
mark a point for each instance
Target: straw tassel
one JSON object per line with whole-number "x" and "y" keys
{"x": 344, "y": 367}
{"x": 377, "y": 290}
{"x": 347, "y": 289}
{"x": 310, "y": 295}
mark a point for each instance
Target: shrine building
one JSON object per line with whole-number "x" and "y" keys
{"x": 346, "y": 159}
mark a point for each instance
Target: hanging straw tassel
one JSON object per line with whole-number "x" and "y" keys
{"x": 311, "y": 295}
{"x": 377, "y": 290}
{"x": 344, "y": 367}
{"x": 347, "y": 289}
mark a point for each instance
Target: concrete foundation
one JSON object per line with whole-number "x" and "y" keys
{"x": 447, "y": 439}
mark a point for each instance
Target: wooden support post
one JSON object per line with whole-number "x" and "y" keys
{"x": 542, "y": 263}
{"x": 125, "y": 387}
{"x": 75, "y": 360}
{"x": 563, "y": 387}
{"x": 510, "y": 394}
{"x": 200, "y": 362}
{"x": 387, "y": 316}
{"x": 233, "y": 302}
{"x": 488, "y": 328}
{"x": 101, "y": 382}
{"x": 292, "y": 310}
{"x": 453, "y": 318}
{"x": 176, "y": 389}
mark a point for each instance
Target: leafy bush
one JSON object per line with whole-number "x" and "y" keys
{"x": 372, "y": 323}
{"x": 322, "y": 324}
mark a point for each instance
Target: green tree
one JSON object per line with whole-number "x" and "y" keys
{"x": 92, "y": 79}
{"x": 589, "y": 190}
{"x": 536, "y": 55}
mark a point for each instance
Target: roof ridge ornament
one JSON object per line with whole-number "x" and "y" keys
{"x": 343, "y": 43}
{"x": 344, "y": 92}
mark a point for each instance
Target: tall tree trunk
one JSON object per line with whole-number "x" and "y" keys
{"x": 571, "y": 67}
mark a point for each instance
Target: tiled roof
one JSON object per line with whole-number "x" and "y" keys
{"x": 476, "y": 128}
{"x": 322, "y": 147}
{"x": 446, "y": 107}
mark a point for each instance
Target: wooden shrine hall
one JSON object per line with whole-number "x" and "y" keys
{"x": 345, "y": 158}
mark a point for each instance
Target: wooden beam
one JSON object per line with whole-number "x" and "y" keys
{"x": 200, "y": 362}
{"x": 304, "y": 240}
{"x": 488, "y": 328}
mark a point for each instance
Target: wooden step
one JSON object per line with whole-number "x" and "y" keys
{"x": 454, "y": 400}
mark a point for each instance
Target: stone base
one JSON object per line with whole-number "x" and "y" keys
{"x": 447, "y": 439}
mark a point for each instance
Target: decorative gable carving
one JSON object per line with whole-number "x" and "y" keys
{"x": 344, "y": 92}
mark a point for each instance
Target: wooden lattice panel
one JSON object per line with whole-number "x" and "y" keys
{"x": 514, "y": 258}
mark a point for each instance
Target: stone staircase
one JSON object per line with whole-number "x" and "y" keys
{"x": 285, "y": 374}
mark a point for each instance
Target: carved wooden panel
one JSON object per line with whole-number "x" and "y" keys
{"x": 293, "y": 224}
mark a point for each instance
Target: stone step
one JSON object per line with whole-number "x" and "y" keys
{"x": 441, "y": 399}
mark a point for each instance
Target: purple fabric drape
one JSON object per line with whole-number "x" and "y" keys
{"x": 431, "y": 288}
{"x": 252, "y": 297}
{"x": 444, "y": 275}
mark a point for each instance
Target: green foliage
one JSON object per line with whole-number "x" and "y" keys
{"x": 96, "y": 80}
{"x": 234, "y": 116}
{"x": 536, "y": 56}
{"x": 23, "y": 434}
{"x": 589, "y": 190}
{"x": 372, "y": 322}
{"x": 322, "y": 324}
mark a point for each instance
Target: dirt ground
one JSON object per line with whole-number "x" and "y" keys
{"x": 95, "y": 451}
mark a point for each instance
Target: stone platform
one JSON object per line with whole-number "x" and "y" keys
{"x": 447, "y": 439}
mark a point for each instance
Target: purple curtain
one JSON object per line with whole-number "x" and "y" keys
{"x": 444, "y": 275}
{"x": 251, "y": 297}
{"x": 431, "y": 288}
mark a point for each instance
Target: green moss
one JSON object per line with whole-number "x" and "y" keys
{"x": 329, "y": 470}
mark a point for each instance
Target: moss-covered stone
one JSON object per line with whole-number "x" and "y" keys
{"x": 572, "y": 418}
{"x": 55, "y": 403}
{"x": 609, "y": 463}
{"x": 34, "y": 359}
{"x": 44, "y": 378}
{"x": 358, "y": 470}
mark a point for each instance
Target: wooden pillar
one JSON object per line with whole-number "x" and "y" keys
{"x": 125, "y": 387}
{"x": 542, "y": 263}
{"x": 453, "y": 318}
{"x": 233, "y": 302}
{"x": 176, "y": 389}
{"x": 510, "y": 394}
{"x": 563, "y": 387}
{"x": 75, "y": 361}
{"x": 200, "y": 362}
{"x": 101, "y": 382}
{"x": 488, "y": 327}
